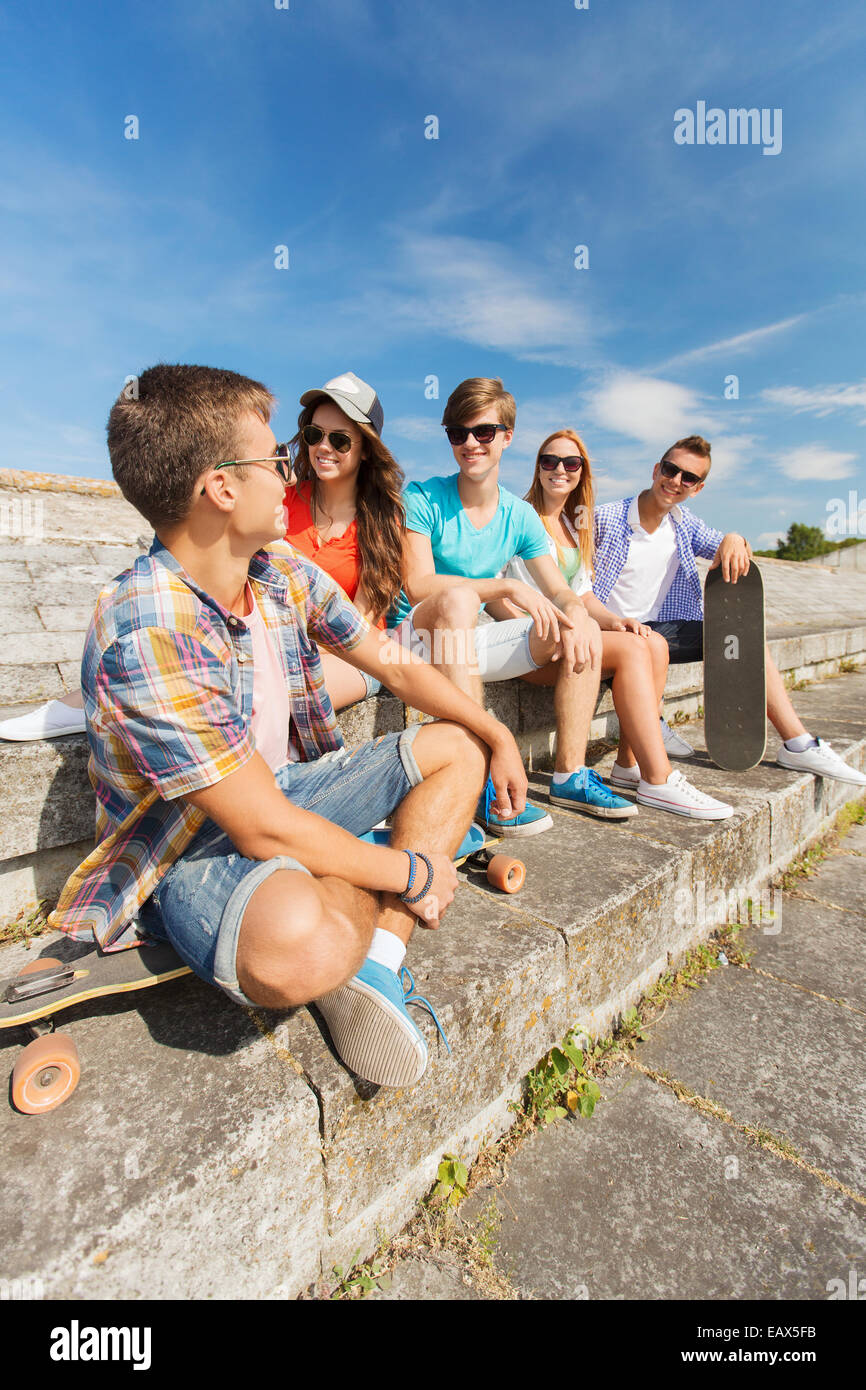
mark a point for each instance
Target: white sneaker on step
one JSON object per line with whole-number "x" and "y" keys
{"x": 627, "y": 777}
{"x": 821, "y": 760}
{"x": 675, "y": 747}
{"x": 48, "y": 721}
{"x": 680, "y": 797}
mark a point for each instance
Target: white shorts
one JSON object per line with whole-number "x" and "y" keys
{"x": 501, "y": 649}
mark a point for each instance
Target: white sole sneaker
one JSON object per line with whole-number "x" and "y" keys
{"x": 373, "y": 1038}
{"x": 624, "y": 784}
{"x": 675, "y": 747}
{"x": 822, "y": 762}
{"x": 33, "y": 727}
{"x": 682, "y": 799}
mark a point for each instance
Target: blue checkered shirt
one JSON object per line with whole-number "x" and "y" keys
{"x": 684, "y": 600}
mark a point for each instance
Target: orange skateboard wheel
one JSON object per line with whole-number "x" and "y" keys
{"x": 509, "y": 875}
{"x": 45, "y": 1074}
{"x": 44, "y": 963}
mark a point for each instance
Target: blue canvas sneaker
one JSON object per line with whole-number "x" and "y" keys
{"x": 371, "y": 1028}
{"x": 585, "y": 791}
{"x": 531, "y": 821}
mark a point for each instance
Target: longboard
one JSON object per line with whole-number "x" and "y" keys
{"x": 48, "y": 1070}
{"x": 735, "y": 682}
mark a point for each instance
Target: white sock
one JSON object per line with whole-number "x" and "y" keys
{"x": 631, "y": 770}
{"x": 387, "y": 949}
{"x": 559, "y": 777}
{"x": 800, "y": 743}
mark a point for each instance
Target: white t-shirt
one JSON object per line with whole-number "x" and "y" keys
{"x": 653, "y": 560}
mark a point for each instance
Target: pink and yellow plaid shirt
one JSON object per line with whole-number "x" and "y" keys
{"x": 167, "y": 675}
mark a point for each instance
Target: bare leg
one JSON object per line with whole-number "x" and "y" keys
{"x": 780, "y": 711}
{"x": 344, "y": 684}
{"x": 437, "y": 813}
{"x": 75, "y": 699}
{"x": 660, "y": 656}
{"x": 627, "y": 659}
{"x": 450, "y": 619}
{"x": 302, "y": 937}
{"x": 574, "y": 699}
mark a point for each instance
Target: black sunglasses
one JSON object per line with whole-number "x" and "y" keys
{"x": 458, "y": 434}
{"x": 550, "y": 462}
{"x": 342, "y": 442}
{"x": 669, "y": 471}
{"x": 281, "y": 461}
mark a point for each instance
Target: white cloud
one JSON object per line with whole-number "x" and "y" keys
{"x": 815, "y": 463}
{"x": 478, "y": 292}
{"x": 819, "y": 400}
{"x": 416, "y": 427}
{"x": 768, "y": 539}
{"x": 729, "y": 347}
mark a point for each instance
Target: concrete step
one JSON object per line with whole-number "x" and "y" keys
{"x": 193, "y": 1116}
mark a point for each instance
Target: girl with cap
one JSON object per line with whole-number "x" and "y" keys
{"x": 344, "y": 510}
{"x": 633, "y": 656}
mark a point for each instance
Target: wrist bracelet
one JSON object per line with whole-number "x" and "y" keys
{"x": 412, "y": 871}
{"x": 425, "y": 890}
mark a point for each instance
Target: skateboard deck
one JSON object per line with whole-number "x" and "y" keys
{"x": 48, "y": 1070}
{"x": 735, "y": 683}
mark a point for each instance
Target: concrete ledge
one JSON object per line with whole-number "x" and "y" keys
{"x": 49, "y": 803}
{"x": 212, "y": 1151}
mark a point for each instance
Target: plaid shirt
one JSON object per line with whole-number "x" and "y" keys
{"x": 167, "y": 676}
{"x": 684, "y": 600}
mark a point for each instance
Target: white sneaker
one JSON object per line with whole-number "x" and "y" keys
{"x": 822, "y": 761}
{"x": 627, "y": 777}
{"x": 675, "y": 747}
{"x": 48, "y": 721}
{"x": 680, "y": 797}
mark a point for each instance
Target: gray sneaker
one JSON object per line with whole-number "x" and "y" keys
{"x": 675, "y": 747}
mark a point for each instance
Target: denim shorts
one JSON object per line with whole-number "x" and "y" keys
{"x": 685, "y": 639}
{"x": 501, "y": 648}
{"x": 200, "y": 903}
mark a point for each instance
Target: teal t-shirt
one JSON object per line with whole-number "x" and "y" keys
{"x": 434, "y": 509}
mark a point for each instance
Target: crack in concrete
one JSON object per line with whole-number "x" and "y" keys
{"x": 816, "y": 994}
{"x": 711, "y": 1108}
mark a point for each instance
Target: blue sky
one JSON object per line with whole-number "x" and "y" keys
{"x": 411, "y": 257}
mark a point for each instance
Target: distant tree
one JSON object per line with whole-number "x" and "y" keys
{"x": 803, "y": 543}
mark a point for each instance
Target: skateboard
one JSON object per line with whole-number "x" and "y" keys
{"x": 478, "y": 851}
{"x": 48, "y": 1070}
{"x": 735, "y": 683}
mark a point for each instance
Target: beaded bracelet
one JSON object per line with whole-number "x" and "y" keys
{"x": 404, "y": 897}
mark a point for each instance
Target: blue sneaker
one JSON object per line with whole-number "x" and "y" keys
{"x": 531, "y": 821}
{"x": 585, "y": 791}
{"x": 371, "y": 1028}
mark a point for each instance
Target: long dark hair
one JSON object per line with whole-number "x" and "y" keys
{"x": 379, "y": 512}
{"x": 579, "y": 504}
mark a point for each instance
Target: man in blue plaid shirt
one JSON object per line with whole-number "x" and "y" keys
{"x": 646, "y": 547}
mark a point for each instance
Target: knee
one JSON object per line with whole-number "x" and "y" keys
{"x": 659, "y": 651}
{"x": 444, "y": 745}
{"x": 458, "y": 607}
{"x": 298, "y": 946}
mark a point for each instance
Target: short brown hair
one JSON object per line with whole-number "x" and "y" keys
{"x": 695, "y": 443}
{"x": 174, "y": 424}
{"x": 475, "y": 395}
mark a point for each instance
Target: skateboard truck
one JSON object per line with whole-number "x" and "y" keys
{"x": 37, "y": 982}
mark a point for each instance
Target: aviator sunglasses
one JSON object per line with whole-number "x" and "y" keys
{"x": 669, "y": 471}
{"x": 280, "y": 460}
{"x": 312, "y": 434}
{"x": 458, "y": 434}
{"x": 550, "y": 462}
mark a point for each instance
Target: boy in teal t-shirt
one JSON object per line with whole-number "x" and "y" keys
{"x": 461, "y": 532}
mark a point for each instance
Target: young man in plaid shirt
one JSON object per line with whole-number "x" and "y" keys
{"x": 225, "y": 797}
